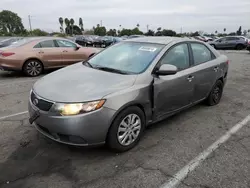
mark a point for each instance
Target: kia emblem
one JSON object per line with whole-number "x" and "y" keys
{"x": 35, "y": 102}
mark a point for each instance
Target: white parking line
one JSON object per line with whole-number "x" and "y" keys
{"x": 183, "y": 173}
{"x": 12, "y": 115}
{"x": 13, "y": 82}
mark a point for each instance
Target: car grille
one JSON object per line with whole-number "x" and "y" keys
{"x": 40, "y": 103}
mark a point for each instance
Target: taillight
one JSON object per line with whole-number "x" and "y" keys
{"x": 248, "y": 41}
{"x": 6, "y": 54}
{"x": 227, "y": 62}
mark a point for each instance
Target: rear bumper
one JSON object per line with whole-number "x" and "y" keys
{"x": 10, "y": 65}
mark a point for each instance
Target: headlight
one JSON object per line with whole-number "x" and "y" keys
{"x": 77, "y": 108}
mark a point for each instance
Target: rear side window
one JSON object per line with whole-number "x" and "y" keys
{"x": 47, "y": 44}
{"x": 201, "y": 53}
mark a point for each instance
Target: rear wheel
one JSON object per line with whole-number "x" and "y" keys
{"x": 33, "y": 68}
{"x": 215, "y": 94}
{"x": 126, "y": 130}
{"x": 239, "y": 47}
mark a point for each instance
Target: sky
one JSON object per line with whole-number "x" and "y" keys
{"x": 179, "y": 15}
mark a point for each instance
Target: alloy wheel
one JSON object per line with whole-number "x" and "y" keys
{"x": 34, "y": 68}
{"x": 129, "y": 129}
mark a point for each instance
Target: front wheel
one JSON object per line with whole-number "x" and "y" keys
{"x": 126, "y": 130}
{"x": 239, "y": 47}
{"x": 215, "y": 94}
{"x": 33, "y": 68}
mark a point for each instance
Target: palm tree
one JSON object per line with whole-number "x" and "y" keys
{"x": 159, "y": 28}
{"x": 67, "y": 23}
{"x": 224, "y": 30}
{"x": 72, "y": 21}
{"x": 61, "y": 23}
{"x": 81, "y": 24}
{"x": 216, "y": 32}
{"x": 138, "y": 25}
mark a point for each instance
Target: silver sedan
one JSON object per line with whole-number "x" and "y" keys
{"x": 116, "y": 94}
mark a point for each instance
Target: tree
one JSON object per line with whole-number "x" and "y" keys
{"x": 245, "y": 32}
{"x": 239, "y": 32}
{"x": 101, "y": 31}
{"x": 136, "y": 31}
{"x": 39, "y": 32}
{"x": 248, "y": 30}
{"x": 232, "y": 34}
{"x": 216, "y": 32}
{"x": 10, "y": 23}
{"x": 195, "y": 34}
{"x": 81, "y": 24}
{"x": 150, "y": 33}
{"x": 224, "y": 30}
{"x": 168, "y": 32}
{"x": 138, "y": 25}
{"x": 67, "y": 23}
{"x": 61, "y": 23}
{"x": 111, "y": 32}
{"x": 72, "y": 21}
{"x": 159, "y": 28}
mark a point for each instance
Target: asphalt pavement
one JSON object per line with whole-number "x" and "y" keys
{"x": 28, "y": 160}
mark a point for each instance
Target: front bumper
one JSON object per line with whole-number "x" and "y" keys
{"x": 80, "y": 130}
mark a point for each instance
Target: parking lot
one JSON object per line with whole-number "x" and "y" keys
{"x": 28, "y": 160}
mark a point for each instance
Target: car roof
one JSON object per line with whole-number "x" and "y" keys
{"x": 159, "y": 40}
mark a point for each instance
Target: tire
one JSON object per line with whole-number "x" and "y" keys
{"x": 122, "y": 125}
{"x": 33, "y": 68}
{"x": 239, "y": 47}
{"x": 215, "y": 94}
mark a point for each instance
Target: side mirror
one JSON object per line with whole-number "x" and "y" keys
{"x": 166, "y": 69}
{"x": 77, "y": 48}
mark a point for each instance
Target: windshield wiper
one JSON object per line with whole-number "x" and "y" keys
{"x": 111, "y": 70}
{"x": 87, "y": 63}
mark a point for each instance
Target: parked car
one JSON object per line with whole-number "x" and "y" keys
{"x": 97, "y": 41}
{"x": 230, "y": 42}
{"x": 33, "y": 55}
{"x": 85, "y": 40}
{"x": 9, "y": 41}
{"x": 113, "y": 96}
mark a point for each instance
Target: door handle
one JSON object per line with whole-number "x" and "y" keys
{"x": 190, "y": 78}
{"x": 65, "y": 51}
{"x": 40, "y": 52}
{"x": 216, "y": 69}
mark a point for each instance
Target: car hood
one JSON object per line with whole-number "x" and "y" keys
{"x": 78, "y": 83}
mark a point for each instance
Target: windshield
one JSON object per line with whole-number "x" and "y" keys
{"x": 131, "y": 57}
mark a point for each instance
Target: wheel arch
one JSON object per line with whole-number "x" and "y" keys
{"x": 32, "y": 58}
{"x": 130, "y": 104}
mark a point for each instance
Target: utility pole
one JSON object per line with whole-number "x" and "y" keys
{"x": 147, "y": 27}
{"x": 101, "y": 23}
{"x": 30, "y": 23}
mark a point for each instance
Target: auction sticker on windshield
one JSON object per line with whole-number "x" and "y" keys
{"x": 147, "y": 48}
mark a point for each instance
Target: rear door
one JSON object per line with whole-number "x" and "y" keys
{"x": 50, "y": 55}
{"x": 205, "y": 70}
{"x": 174, "y": 92}
{"x": 70, "y": 54}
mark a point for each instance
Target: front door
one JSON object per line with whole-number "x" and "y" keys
{"x": 174, "y": 92}
{"x": 70, "y": 54}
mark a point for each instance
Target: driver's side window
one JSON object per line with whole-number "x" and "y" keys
{"x": 177, "y": 56}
